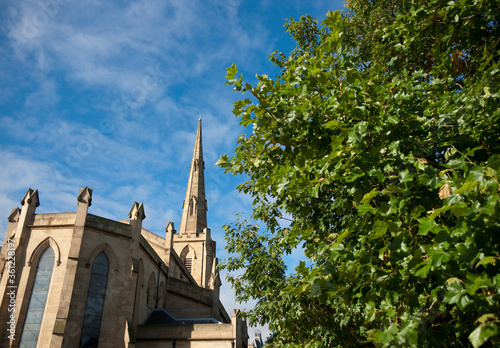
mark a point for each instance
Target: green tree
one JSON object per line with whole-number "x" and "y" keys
{"x": 380, "y": 137}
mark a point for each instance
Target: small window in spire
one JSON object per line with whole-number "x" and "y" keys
{"x": 192, "y": 205}
{"x": 188, "y": 263}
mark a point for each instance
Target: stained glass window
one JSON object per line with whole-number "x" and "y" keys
{"x": 95, "y": 302}
{"x": 36, "y": 307}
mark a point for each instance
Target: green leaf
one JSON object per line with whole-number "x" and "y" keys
{"x": 391, "y": 62}
{"x": 333, "y": 124}
{"x": 365, "y": 208}
{"x": 476, "y": 338}
{"x": 466, "y": 187}
{"x": 485, "y": 318}
{"x": 315, "y": 191}
{"x": 341, "y": 236}
{"x": 487, "y": 260}
{"x": 406, "y": 176}
{"x": 391, "y": 190}
{"x": 370, "y": 310}
{"x": 369, "y": 196}
{"x": 482, "y": 333}
{"x": 386, "y": 336}
{"x": 454, "y": 293}
{"x": 453, "y": 280}
{"x": 463, "y": 302}
{"x": 422, "y": 271}
{"x": 425, "y": 225}
{"x": 379, "y": 229}
{"x": 491, "y": 172}
{"x": 231, "y": 72}
{"x": 494, "y": 162}
{"x": 316, "y": 290}
{"x": 222, "y": 161}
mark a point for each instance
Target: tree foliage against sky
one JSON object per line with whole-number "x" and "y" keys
{"x": 380, "y": 138}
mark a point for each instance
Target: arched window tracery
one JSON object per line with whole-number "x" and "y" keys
{"x": 95, "y": 302}
{"x": 38, "y": 299}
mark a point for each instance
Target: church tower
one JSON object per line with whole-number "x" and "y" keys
{"x": 194, "y": 209}
{"x": 193, "y": 242}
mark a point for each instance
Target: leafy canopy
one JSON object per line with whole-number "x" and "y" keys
{"x": 380, "y": 137}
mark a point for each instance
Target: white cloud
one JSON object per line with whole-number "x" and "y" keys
{"x": 20, "y": 173}
{"x": 103, "y": 44}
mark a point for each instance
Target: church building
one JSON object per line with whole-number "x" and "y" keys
{"x": 81, "y": 280}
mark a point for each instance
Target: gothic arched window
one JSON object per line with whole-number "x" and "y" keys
{"x": 95, "y": 302}
{"x": 150, "y": 292}
{"x": 187, "y": 256}
{"x": 161, "y": 296}
{"x": 36, "y": 307}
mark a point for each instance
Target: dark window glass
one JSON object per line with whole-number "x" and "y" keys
{"x": 95, "y": 302}
{"x": 150, "y": 292}
{"x": 36, "y": 308}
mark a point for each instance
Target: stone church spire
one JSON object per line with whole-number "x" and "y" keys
{"x": 194, "y": 209}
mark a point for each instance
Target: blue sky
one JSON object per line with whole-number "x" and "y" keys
{"x": 107, "y": 94}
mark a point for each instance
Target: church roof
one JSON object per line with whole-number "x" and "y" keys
{"x": 160, "y": 316}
